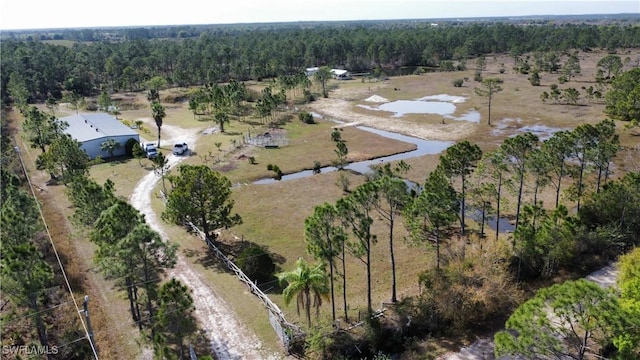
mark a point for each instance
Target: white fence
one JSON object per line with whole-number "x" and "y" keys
{"x": 284, "y": 329}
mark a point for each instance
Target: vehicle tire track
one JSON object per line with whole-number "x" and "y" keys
{"x": 230, "y": 340}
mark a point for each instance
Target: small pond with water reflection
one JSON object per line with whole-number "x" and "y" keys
{"x": 442, "y": 104}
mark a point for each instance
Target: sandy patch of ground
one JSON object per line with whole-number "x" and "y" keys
{"x": 342, "y": 110}
{"x": 376, "y": 99}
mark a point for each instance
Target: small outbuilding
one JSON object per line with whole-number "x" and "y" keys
{"x": 92, "y": 130}
{"x": 340, "y": 74}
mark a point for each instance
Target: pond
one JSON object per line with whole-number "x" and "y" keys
{"x": 504, "y": 223}
{"x": 543, "y": 132}
{"x": 423, "y": 147}
{"x": 441, "y": 104}
{"x": 475, "y": 214}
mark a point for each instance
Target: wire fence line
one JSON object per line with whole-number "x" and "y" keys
{"x": 88, "y": 333}
{"x": 285, "y": 330}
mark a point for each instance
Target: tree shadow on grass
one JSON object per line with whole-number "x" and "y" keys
{"x": 207, "y": 259}
{"x": 232, "y": 250}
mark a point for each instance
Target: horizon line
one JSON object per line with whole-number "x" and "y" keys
{"x": 533, "y": 16}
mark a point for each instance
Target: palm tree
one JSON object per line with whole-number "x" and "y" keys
{"x": 158, "y": 115}
{"x": 305, "y": 283}
{"x": 110, "y": 146}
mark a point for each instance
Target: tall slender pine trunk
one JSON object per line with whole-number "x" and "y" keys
{"x": 462, "y": 227}
{"x": 369, "y": 307}
{"x": 344, "y": 282}
{"x": 498, "y": 206}
{"x": 393, "y": 260}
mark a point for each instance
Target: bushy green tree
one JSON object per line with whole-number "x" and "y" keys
{"x": 203, "y": 197}
{"x": 544, "y": 242}
{"x": 41, "y": 129}
{"x": 615, "y": 208}
{"x": 628, "y": 343}
{"x": 459, "y": 161}
{"x": 612, "y": 64}
{"x": 25, "y": 278}
{"x": 175, "y": 320}
{"x": 534, "y": 79}
{"x": 622, "y": 100}
{"x": 65, "y": 159}
{"x": 256, "y": 263}
{"x": 432, "y": 211}
{"x": 90, "y": 199}
{"x": 574, "y": 319}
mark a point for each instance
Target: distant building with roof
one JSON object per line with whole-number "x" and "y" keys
{"x": 338, "y": 74}
{"x": 91, "y": 130}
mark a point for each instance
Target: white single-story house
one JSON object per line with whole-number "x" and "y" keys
{"x": 91, "y": 130}
{"x": 338, "y": 74}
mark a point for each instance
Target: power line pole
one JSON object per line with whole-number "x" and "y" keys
{"x": 85, "y": 305}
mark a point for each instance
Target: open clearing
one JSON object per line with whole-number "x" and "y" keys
{"x": 274, "y": 214}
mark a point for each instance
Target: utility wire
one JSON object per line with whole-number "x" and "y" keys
{"x": 64, "y": 274}
{"x": 34, "y": 313}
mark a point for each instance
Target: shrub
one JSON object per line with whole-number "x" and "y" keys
{"x": 306, "y": 117}
{"x": 276, "y": 170}
{"x": 128, "y": 146}
{"x": 256, "y": 263}
{"x": 458, "y": 82}
{"x": 343, "y": 182}
{"x": 477, "y": 76}
{"x": 534, "y": 79}
{"x": 308, "y": 96}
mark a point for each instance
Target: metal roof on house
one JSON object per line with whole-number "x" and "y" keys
{"x": 85, "y": 127}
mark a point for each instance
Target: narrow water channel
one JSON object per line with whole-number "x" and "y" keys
{"x": 423, "y": 147}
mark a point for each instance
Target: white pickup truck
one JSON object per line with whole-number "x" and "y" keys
{"x": 180, "y": 149}
{"x": 150, "y": 150}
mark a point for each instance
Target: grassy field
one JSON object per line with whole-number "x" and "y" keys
{"x": 274, "y": 214}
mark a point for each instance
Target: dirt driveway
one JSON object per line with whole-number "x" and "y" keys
{"x": 229, "y": 338}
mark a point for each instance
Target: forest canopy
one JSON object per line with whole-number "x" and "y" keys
{"x": 217, "y": 54}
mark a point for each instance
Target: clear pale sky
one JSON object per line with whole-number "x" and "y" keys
{"x": 42, "y": 14}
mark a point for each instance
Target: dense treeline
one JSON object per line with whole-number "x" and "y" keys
{"x": 220, "y": 54}
{"x": 37, "y": 315}
{"x": 478, "y": 279}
